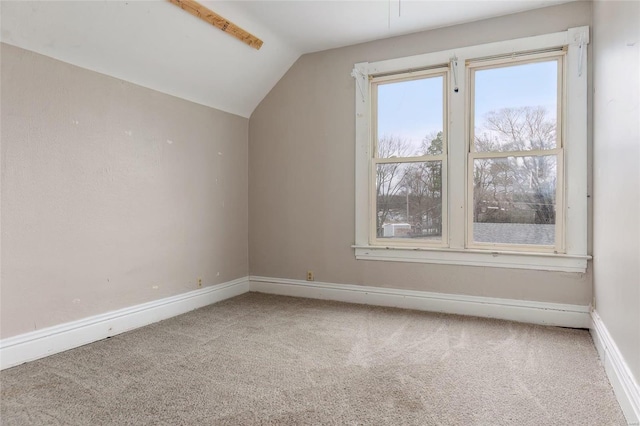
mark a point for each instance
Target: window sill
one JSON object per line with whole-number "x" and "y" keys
{"x": 471, "y": 257}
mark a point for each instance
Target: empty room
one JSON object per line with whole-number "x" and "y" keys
{"x": 384, "y": 212}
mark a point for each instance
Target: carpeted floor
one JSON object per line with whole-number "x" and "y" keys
{"x": 262, "y": 359}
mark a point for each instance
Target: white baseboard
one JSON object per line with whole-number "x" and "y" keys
{"x": 575, "y": 316}
{"x": 624, "y": 385}
{"x": 38, "y": 344}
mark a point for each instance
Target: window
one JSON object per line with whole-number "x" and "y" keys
{"x": 514, "y": 182}
{"x": 475, "y": 156}
{"x": 408, "y": 174}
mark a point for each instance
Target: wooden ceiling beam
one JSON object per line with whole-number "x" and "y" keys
{"x": 207, "y": 15}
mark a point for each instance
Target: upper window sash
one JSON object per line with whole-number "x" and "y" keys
{"x": 475, "y": 66}
{"x": 376, "y": 81}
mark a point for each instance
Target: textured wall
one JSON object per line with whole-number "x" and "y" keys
{"x": 616, "y": 139}
{"x": 301, "y": 174}
{"x": 112, "y": 194}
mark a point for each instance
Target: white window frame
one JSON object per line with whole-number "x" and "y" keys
{"x": 558, "y": 55}
{"x": 412, "y": 75}
{"x": 573, "y": 256}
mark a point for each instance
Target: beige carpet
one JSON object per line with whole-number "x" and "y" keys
{"x": 261, "y": 359}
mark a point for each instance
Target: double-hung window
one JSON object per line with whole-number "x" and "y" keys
{"x": 409, "y": 164}
{"x": 475, "y": 156}
{"x": 514, "y": 172}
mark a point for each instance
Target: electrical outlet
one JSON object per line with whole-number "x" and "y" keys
{"x": 199, "y": 282}
{"x": 309, "y": 275}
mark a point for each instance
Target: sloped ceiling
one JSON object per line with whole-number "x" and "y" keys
{"x": 157, "y": 45}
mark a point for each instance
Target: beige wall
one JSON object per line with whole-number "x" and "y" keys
{"x": 301, "y": 172}
{"x": 616, "y": 251}
{"x": 112, "y": 194}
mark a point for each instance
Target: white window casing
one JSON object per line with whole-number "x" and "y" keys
{"x": 570, "y": 252}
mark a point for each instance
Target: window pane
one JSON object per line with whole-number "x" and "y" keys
{"x": 514, "y": 200}
{"x": 409, "y": 200}
{"x": 516, "y": 107}
{"x": 410, "y": 118}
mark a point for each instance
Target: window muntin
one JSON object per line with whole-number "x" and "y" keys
{"x": 515, "y": 155}
{"x": 408, "y": 166}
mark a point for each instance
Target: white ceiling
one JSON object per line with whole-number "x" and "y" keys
{"x": 157, "y": 45}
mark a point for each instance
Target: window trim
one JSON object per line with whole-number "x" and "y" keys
{"x": 574, "y": 258}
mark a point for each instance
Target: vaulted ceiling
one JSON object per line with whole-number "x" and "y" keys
{"x": 157, "y": 45}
